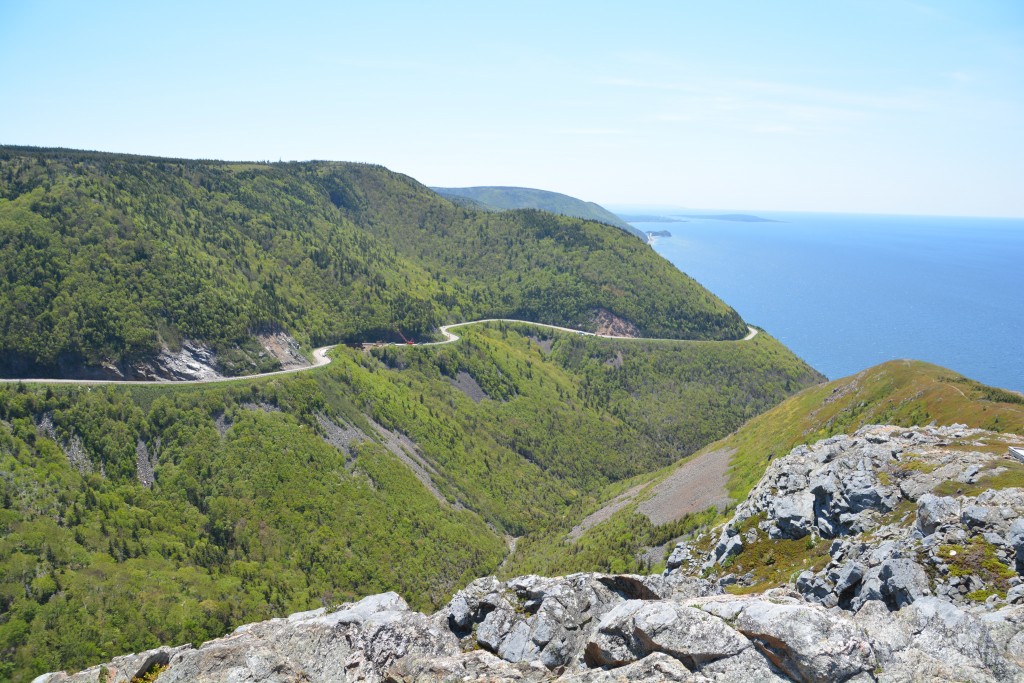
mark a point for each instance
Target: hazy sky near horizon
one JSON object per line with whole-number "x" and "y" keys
{"x": 873, "y": 106}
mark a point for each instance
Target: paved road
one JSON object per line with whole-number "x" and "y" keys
{"x": 321, "y": 358}
{"x": 453, "y": 337}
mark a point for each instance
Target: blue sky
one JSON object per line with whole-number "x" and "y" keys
{"x": 866, "y": 106}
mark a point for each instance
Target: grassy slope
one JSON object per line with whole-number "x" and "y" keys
{"x": 106, "y": 257}
{"x": 505, "y": 198}
{"x": 898, "y": 392}
{"x": 268, "y": 518}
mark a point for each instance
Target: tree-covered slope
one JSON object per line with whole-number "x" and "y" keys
{"x": 107, "y": 258}
{"x": 532, "y": 264}
{"x": 505, "y": 198}
{"x": 132, "y": 516}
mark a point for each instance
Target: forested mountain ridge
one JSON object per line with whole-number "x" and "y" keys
{"x": 501, "y": 198}
{"x": 107, "y": 259}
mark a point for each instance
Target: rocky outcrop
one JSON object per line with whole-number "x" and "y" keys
{"x": 591, "y": 628}
{"x": 607, "y": 323}
{"x": 193, "y": 361}
{"x": 71, "y": 447}
{"x": 895, "y": 540}
{"x": 548, "y": 620}
{"x": 283, "y": 347}
{"x": 636, "y": 628}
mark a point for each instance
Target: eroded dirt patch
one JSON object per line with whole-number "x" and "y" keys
{"x": 465, "y": 383}
{"x": 612, "y": 325}
{"x": 544, "y": 344}
{"x": 695, "y": 485}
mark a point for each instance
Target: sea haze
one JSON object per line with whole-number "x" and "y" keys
{"x": 849, "y": 291}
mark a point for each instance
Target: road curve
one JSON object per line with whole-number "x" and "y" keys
{"x": 320, "y": 357}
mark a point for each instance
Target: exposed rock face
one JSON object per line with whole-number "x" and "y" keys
{"x": 145, "y": 464}
{"x": 72, "y": 448}
{"x": 591, "y": 628}
{"x": 896, "y": 540}
{"x": 610, "y": 324}
{"x": 284, "y": 348}
{"x": 193, "y": 361}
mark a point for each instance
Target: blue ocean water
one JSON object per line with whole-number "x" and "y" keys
{"x": 849, "y": 291}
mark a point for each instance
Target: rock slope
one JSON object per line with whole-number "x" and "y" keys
{"x": 909, "y": 512}
{"x": 595, "y": 628}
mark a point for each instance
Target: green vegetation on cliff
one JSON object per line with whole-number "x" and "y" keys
{"x": 280, "y": 494}
{"x": 107, "y": 258}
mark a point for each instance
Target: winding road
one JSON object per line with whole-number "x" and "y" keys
{"x": 320, "y": 357}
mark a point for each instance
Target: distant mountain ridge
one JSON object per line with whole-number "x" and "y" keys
{"x": 501, "y": 198}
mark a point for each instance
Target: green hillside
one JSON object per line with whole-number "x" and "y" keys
{"x": 107, "y": 258}
{"x": 901, "y": 392}
{"x": 504, "y": 198}
{"x": 274, "y": 495}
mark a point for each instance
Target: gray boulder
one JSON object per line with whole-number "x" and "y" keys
{"x": 847, "y": 578}
{"x": 903, "y": 582}
{"x": 934, "y": 640}
{"x": 680, "y": 554}
{"x": 729, "y": 544}
{"x": 933, "y": 511}
{"x": 655, "y": 668}
{"x": 478, "y": 665}
{"x": 896, "y": 582}
{"x": 749, "y": 665}
{"x": 1015, "y": 537}
{"x": 507, "y": 634}
{"x": 793, "y": 516}
{"x": 636, "y": 628}
{"x": 805, "y": 643}
{"x": 974, "y": 516}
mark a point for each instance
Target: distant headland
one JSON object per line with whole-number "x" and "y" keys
{"x": 684, "y": 218}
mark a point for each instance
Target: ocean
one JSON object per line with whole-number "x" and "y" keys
{"x": 846, "y": 292}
